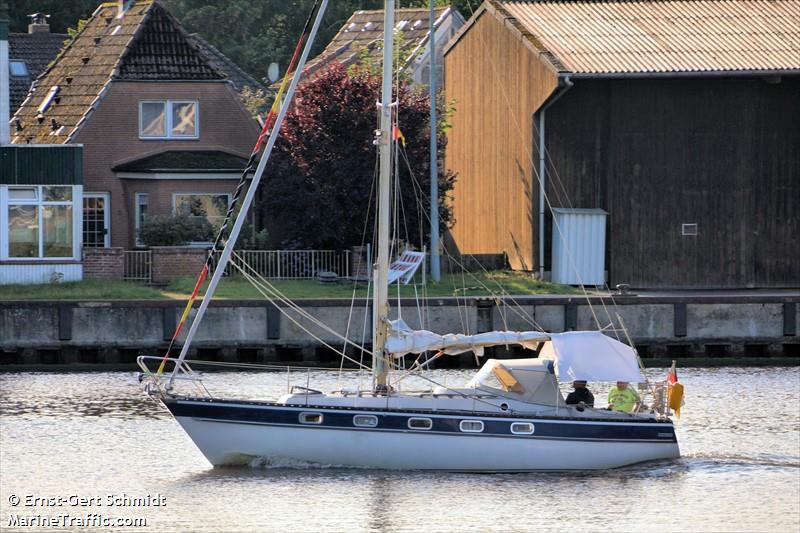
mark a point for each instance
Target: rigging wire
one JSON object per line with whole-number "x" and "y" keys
{"x": 220, "y": 239}
{"x": 270, "y": 293}
{"x": 518, "y": 310}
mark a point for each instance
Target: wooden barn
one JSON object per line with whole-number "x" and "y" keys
{"x": 670, "y": 134}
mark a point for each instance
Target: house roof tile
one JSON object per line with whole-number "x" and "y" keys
{"x": 363, "y": 32}
{"x": 178, "y": 161}
{"x": 37, "y": 50}
{"x": 146, "y": 43}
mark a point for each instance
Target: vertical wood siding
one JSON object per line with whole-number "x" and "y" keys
{"x": 722, "y": 153}
{"x": 497, "y": 83}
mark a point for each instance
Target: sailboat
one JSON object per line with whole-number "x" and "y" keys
{"x": 510, "y": 417}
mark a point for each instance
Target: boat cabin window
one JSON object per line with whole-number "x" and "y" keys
{"x": 365, "y": 421}
{"x": 311, "y": 418}
{"x": 522, "y": 428}
{"x": 471, "y": 426}
{"x": 420, "y": 423}
{"x": 496, "y": 377}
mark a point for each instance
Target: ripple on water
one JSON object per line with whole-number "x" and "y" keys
{"x": 98, "y": 433}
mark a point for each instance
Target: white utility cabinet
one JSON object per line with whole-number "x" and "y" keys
{"x": 579, "y": 246}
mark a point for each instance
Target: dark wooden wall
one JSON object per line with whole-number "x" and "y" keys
{"x": 656, "y": 153}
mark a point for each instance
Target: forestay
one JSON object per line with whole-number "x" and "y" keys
{"x": 578, "y": 355}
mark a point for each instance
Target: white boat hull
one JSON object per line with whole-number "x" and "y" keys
{"x": 229, "y": 442}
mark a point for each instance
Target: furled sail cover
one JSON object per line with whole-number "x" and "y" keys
{"x": 403, "y": 340}
{"x": 591, "y": 356}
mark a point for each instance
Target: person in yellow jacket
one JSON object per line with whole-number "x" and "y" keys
{"x": 623, "y": 398}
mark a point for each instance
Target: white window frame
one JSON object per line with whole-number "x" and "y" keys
{"x": 365, "y": 421}
{"x": 77, "y": 222}
{"x": 106, "y": 215}
{"x": 462, "y": 426}
{"x": 175, "y": 205}
{"x": 519, "y": 431}
{"x": 307, "y": 417}
{"x": 138, "y": 214}
{"x": 168, "y": 120}
{"x": 420, "y": 419}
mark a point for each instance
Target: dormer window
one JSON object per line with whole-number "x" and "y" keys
{"x": 168, "y": 119}
{"x": 17, "y": 68}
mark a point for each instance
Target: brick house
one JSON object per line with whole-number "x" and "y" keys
{"x": 162, "y": 125}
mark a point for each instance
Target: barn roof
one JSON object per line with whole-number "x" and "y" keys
{"x": 146, "y": 43}
{"x": 658, "y": 36}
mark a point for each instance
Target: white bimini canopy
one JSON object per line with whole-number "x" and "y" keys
{"x": 591, "y": 356}
{"x": 577, "y": 355}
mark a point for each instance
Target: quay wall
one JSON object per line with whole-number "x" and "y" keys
{"x": 38, "y": 332}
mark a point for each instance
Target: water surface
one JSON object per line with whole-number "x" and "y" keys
{"x": 96, "y": 434}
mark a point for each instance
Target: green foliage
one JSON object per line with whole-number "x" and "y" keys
{"x": 258, "y": 33}
{"x": 175, "y": 230}
{"x": 88, "y": 289}
{"x": 319, "y": 181}
{"x": 255, "y": 101}
{"x": 468, "y": 285}
{"x": 63, "y": 14}
{"x": 403, "y": 53}
{"x": 72, "y": 32}
{"x": 252, "y": 34}
{"x": 250, "y": 239}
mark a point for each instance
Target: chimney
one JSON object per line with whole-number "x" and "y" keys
{"x": 122, "y": 7}
{"x": 38, "y": 23}
{"x": 5, "y": 103}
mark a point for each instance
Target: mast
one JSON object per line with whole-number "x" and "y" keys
{"x": 380, "y": 308}
{"x": 435, "y": 273}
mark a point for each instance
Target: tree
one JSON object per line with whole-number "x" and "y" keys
{"x": 318, "y": 184}
{"x": 259, "y": 33}
{"x": 252, "y": 34}
{"x": 63, "y": 15}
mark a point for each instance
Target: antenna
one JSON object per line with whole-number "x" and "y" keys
{"x": 273, "y": 72}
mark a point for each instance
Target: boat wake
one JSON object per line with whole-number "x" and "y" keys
{"x": 724, "y": 461}
{"x": 270, "y": 463}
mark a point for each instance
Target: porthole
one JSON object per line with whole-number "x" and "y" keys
{"x": 311, "y": 418}
{"x": 365, "y": 421}
{"x": 471, "y": 426}
{"x": 420, "y": 423}
{"x": 522, "y": 428}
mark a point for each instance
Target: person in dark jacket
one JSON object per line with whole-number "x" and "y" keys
{"x": 581, "y": 395}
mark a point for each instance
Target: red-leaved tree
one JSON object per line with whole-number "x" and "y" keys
{"x": 318, "y": 186}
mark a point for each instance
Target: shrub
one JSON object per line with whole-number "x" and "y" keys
{"x": 250, "y": 239}
{"x": 175, "y": 230}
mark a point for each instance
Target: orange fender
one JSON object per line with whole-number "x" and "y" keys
{"x": 676, "y": 398}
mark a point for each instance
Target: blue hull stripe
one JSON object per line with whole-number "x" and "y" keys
{"x": 443, "y": 423}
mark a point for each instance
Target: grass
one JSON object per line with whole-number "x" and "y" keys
{"x": 80, "y": 290}
{"x": 237, "y": 288}
{"x": 450, "y": 285}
